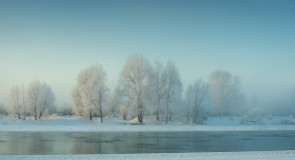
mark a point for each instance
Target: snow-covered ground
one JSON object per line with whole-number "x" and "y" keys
{"x": 114, "y": 124}
{"x": 261, "y": 155}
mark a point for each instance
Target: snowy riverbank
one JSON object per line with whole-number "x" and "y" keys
{"x": 260, "y": 155}
{"x": 80, "y": 124}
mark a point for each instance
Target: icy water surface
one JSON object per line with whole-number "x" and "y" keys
{"x": 143, "y": 142}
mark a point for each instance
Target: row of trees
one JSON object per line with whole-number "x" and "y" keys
{"x": 143, "y": 89}
{"x": 141, "y": 86}
{"x": 154, "y": 89}
{"x": 38, "y": 101}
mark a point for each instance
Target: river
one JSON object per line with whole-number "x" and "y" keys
{"x": 143, "y": 142}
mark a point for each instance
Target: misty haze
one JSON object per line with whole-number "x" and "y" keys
{"x": 140, "y": 79}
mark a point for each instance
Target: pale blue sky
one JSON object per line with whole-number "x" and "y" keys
{"x": 54, "y": 40}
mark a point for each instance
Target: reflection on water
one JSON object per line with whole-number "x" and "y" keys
{"x": 143, "y": 142}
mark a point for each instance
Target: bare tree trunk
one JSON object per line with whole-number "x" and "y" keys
{"x": 90, "y": 115}
{"x": 195, "y": 116}
{"x": 23, "y": 101}
{"x": 125, "y": 116}
{"x": 158, "y": 110}
{"x": 24, "y": 113}
{"x": 40, "y": 115}
{"x": 139, "y": 110}
{"x": 35, "y": 112}
{"x": 101, "y": 118}
{"x": 140, "y": 117}
{"x": 195, "y": 113}
{"x": 188, "y": 102}
{"x": 158, "y": 115}
{"x": 167, "y": 111}
{"x": 100, "y": 108}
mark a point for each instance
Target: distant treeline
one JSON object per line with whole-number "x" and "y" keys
{"x": 143, "y": 89}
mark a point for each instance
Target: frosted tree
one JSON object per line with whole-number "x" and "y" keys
{"x": 189, "y": 100}
{"x": 91, "y": 91}
{"x": 123, "y": 100}
{"x": 198, "y": 92}
{"x": 77, "y": 102}
{"x": 134, "y": 82}
{"x": 47, "y": 100}
{"x": 23, "y": 96}
{"x": 16, "y": 101}
{"x": 124, "y": 111}
{"x": 172, "y": 87}
{"x": 34, "y": 94}
{"x": 157, "y": 87}
{"x": 224, "y": 91}
{"x": 40, "y": 98}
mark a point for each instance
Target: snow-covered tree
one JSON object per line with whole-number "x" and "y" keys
{"x": 189, "y": 100}
{"x": 196, "y": 94}
{"x": 16, "y": 101}
{"x": 47, "y": 100}
{"x": 34, "y": 94}
{"x": 91, "y": 91}
{"x": 77, "y": 102}
{"x": 124, "y": 101}
{"x": 23, "y": 96}
{"x": 224, "y": 91}
{"x": 134, "y": 82}
{"x": 157, "y": 87}
{"x": 172, "y": 87}
{"x": 40, "y": 98}
{"x": 124, "y": 111}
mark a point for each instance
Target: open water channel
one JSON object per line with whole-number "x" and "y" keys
{"x": 143, "y": 142}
